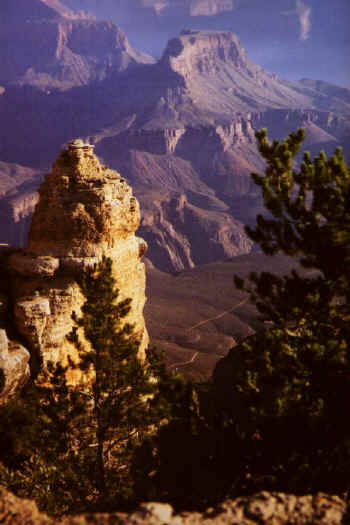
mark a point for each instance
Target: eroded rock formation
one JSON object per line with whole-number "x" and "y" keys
{"x": 85, "y": 211}
{"x": 181, "y": 236}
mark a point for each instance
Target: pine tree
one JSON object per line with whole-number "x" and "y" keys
{"x": 287, "y": 396}
{"x": 38, "y": 445}
{"x": 72, "y": 449}
{"x": 122, "y": 385}
{"x": 310, "y": 220}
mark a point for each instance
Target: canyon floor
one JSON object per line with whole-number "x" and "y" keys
{"x": 198, "y": 315}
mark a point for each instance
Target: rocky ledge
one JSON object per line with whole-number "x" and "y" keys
{"x": 260, "y": 509}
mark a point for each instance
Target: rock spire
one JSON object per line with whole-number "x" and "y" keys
{"x": 85, "y": 211}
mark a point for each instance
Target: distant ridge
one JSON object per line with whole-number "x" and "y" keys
{"x": 49, "y": 46}
{"x": 206, "y": 77}
{"x": 32, "y": 10}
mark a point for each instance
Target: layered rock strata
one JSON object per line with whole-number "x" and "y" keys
{"x": 85, "y": 211}
{"x": 182, "y": 126}
{"x": 185, "y": 140}
{"x": 15, "y": 216}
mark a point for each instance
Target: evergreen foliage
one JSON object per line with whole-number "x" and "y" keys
{"x": 120, "y": 413}
{"x": 275, "y": 415}
{"x": 172, "y": 465}
{"x": 288, "y": 392}
{"x": 39, "y": 445}
{"x": 71, "y": 449}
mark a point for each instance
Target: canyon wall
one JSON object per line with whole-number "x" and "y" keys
{"x": 180, "y": 130}
{"x": 193, "y": 182}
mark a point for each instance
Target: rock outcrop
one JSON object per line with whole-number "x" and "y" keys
{"x": 14, "y": 367}
{"x": 260, "y": 509}
{"x": 14, "y": 358}
{"x": 16, "y": 215}
{"x": 327, "y": 128}
{"x": 183, "y": 140}
{"x": 85, "y": 211}
{"x": 180, "y": 235}
{"x": 18, "y": 185}
{"x": 233, "y": 83}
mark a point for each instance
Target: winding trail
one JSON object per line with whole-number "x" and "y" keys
{"x": 201, "y": 323}
{"x": 176, "y": 365}
{"x": 218, "y": 316}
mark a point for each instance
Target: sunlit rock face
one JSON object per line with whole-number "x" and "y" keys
{"x": 85, "y": 211}
{"x": 14, "y": 367}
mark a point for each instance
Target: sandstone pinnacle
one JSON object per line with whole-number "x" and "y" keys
{"x": 85, "y": 211}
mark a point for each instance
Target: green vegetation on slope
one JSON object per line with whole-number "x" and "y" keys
{"x": 286, "y": 388}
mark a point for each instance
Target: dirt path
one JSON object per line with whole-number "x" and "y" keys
{"x": 176, "y": 365}
{"x": 201, "y": 323}
{"x": 218, "y": 316}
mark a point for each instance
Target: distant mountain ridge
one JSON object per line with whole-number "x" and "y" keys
{"x": 181, "y": 129}
{"x": 205, "y": 77}
{"x": 290, "y": 37}
{"x": 33, "y": 10}
{"x": 46, "y": 45}
{"x": 217, "y": 73}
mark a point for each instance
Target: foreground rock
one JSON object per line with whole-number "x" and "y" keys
{"x": 85, "y": 212}
{"x": 261, "y": 509}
